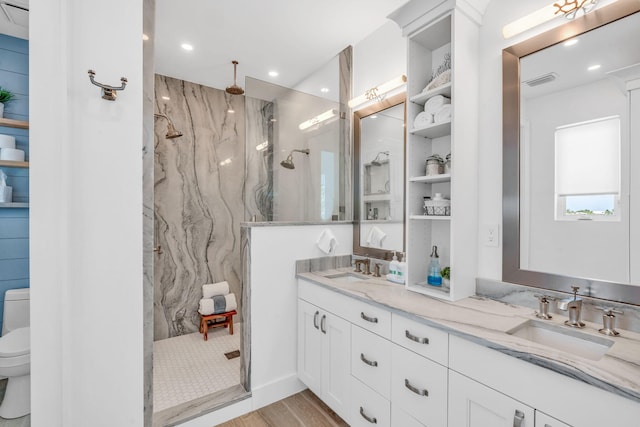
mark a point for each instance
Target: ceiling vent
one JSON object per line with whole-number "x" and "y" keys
{"x": 16, "y": 11}
{"x": 541, "y": 80}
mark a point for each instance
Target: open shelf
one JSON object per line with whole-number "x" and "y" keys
{"x": 431, "y": 217}
{"x": 14, "y": 205}
{"x": 433, "y": 131}
{"x": 10, "y": 123}
{"x": 431, "y": 179}
{"x": 12, "y": 164}
{"x": 422, "y": 97}
{"x": 423, "y": 288}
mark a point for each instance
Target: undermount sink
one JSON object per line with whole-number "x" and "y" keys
{"x": 347, "y": 277}
{"x": 564, "y": 339}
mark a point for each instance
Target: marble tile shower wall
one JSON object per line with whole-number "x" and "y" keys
{"x": 199, "y": 189}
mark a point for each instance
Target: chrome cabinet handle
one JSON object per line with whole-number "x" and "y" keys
{"x": 416, "y": 390}
{"x": 518, "y": 418}
{"x": 368, "y": 319}
{"x": 372, "y": 420}
{"x": 368, "y": 362}
{"x": 415, "y": 338}
{"x": 315, "y": 320}
{"x": 322, "y": 324}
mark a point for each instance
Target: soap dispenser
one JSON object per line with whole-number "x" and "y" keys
{"x": 393, "y": 266}
{"x": 402, "y": 269}
{"x": 433, "y": 276}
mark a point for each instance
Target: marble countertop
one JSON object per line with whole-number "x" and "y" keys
{"x": 486, "y": 322}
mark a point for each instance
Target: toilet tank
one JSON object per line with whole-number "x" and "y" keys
{"x": 16, "y": 309}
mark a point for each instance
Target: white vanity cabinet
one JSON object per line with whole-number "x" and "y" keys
{"x": 323, "y": 355}
{"x": 544, "y": 420}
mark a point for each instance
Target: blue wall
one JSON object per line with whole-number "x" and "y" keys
{"x": 14, "y": 223}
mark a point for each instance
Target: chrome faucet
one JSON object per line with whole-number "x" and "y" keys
{"x": 574, "y": 306}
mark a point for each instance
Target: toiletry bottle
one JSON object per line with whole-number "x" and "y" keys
{"x": 433, "y": 276}
{"x": 393, "y": 267}
{"x": 402, "y": 269}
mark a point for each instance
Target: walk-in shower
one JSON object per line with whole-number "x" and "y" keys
{"x": 288, "y": 163}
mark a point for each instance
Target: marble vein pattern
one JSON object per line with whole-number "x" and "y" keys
{"x": 345, "y": 60}
{"x": 199, "y": 183}
{"x": 486, "y": 321}
{"x": 259, "y": 169}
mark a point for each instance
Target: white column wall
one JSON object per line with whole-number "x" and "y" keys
{"x": 86, "y": 214}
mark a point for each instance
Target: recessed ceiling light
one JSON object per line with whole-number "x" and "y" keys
{"x": 273, "y": 73}
{"x": 594, "y": 67}
{"x": 145, "y": 37}
{"x": 186, "y": 46}
{"x": 166, "y": 98}
{"x": 324, "y": 90}
{"x": 571, "y": 42}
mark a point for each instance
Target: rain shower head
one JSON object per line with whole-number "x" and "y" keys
{"x": 378, "y": 161}
{"x": 234, "y": 89}
{"x": 172, "y": 132}
{"x": 288, "y": 163}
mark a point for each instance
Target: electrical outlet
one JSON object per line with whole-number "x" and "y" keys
{"x": 492, "y": 235}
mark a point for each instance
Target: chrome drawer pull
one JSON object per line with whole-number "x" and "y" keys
{"x": 415, "y": 338}
{"x": 368, "y": 319}
{"x": 368, "y": 362}
{"x": 518, "y": 418}
{"x": 315, "y": 320}
{"x": 372, "y": 420}
{"x": 322, "y": 324}
{"x": 422, "y": 392}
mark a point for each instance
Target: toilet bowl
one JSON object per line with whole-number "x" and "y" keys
{"x": 15, "y": 356}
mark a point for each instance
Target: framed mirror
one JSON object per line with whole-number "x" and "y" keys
{"x": 379, "y": 178}
{"x": 571, "y": 103}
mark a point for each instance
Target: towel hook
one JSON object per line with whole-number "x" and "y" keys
{"x": 108, "y": 92}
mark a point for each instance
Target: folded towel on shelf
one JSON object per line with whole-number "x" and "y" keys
{"x": 375, "y": 237}
{"x": 423, "y": 119}
{"x": 213, "y": 289}
{"x": 443, "y": 114}
{"x": 327, "y": 241}
{"x": 218, "y": 304}
{"x": 434, "y": 103}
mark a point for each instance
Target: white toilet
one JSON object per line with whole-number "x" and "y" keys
{"x": 15, "y": 354}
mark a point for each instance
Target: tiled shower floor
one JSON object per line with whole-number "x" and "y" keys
{"x": 188, "y": 367}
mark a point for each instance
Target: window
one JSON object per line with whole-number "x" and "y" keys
{"x": 587, "y": 170}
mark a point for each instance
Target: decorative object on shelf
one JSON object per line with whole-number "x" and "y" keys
{"x": 446, "y": 276}
{"x": 7, "y": 141}
{"x": 5, "y": 96}
{"x": 6, "y": 192}
{"x": 568, "y": 8}
{"x": 171, "y": 130}
{"x": 433, "y": 276}
{"x": 447, "y": 164}
{"x": 441, "y": 76}
{"x": 12, "y": 155}
{"x": 108, "y": 92}
{"x": 437, "y": 206}
{"x": 434, "y": 165}
{"x": 378, "y": 93}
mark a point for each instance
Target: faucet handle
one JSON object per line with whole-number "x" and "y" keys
{"x": 609, "y": 321}
{"x": 544, "y": 298}
{"x": 575, "y": 291}
{"x": 608, "y": 311}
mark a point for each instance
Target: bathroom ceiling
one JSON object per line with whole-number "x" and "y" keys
{"x": 292, "y": 37}
{"x": 14, "y": 18}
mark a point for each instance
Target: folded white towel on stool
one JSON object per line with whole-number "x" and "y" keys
{"x": 443, "y": 114}
{"x": 434, "y": 103}
{"x": 213, "y": 289}
{"x": 327, "y": 241}
{"x": 375, "y": 237}
{"x": 218, "y": 304}
{"x": 423, "y": 119}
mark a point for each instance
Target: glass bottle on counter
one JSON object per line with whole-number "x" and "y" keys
{"x": 433, "y": 276}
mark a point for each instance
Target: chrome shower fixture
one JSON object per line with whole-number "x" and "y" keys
{"x": 288, "y": 163}
{"x": 171, "y": 130}
{"x": 378, "y": 161}
{"x": 234, "y": 89}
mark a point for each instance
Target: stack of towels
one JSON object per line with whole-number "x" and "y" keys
{"x": 437, "y": 109}
{"x": 216, "y": 299}
{"x": 8, "y": 149}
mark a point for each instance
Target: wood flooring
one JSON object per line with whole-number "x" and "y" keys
{"x": 300, "y": 410}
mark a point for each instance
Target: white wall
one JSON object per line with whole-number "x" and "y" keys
{"x": 86, "y": 215}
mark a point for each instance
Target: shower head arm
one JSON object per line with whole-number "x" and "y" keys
{"x": 305, "y": 151}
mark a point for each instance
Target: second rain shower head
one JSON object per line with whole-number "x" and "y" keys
{"x": 288, "y": 163}
{"x": 172, "y": 132}
{"x": 234, "y": 89}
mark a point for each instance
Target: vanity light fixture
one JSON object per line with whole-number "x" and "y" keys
{"x": 378, "y": 93}
{"x": 567, "y": 8}
{"x": 318, "y": 119}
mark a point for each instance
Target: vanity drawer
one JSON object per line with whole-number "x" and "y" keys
{"x": 420, "y": 338}
{"x": 419, "y": 386}
{"x": 371, "y": 318}
{"x": 371, "y": 360}
{"x": 368, "y": 407}
{"x": 400, "y": 418}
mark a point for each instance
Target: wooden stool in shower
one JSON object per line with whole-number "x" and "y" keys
{"x": 214, "y": 318}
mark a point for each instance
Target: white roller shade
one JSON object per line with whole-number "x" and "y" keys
{"x": 588, "y": 158}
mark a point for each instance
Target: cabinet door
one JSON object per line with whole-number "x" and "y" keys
{"x": 472, "y": 404}
{"x": 544, "y": 420}
{"x": 336, "y": 334}
{"x": 310, "y": 346}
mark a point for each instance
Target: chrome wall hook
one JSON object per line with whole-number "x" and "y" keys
{"x": 108, "y": 92}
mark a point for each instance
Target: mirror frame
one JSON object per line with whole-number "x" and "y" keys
{"x": 357, "y": 116}
{"x": 511, "y": 271}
